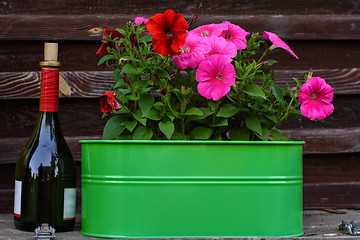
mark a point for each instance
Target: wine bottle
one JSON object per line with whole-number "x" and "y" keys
{"x": 45, "y": 177}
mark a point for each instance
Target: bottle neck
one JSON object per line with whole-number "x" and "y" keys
{"x": 49, "y": 89}
{"x": 48, "y": 125}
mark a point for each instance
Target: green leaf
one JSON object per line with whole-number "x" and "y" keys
{"x": 116, "y": 74}
{"x": 146, "y": 38}
{"x": 205, "y": 113}
{"x": 164, "y": 74}
{"x": 253, "y": 124}
{"x": 121, "y": 30}
{"x": 145, "y": 90}
{"x": 220, "y": 122}
{"x": 178, "y": 94}
{"x": 142, "y": 133}
{"x": 130, "y": 125}
{"x": 201, "y": 133}
{"x": 114, "y": 127}
{"x": 123, "y": 94}
{"x": 130, "y": 69}
{"x": 298, "y": 83}
{"x": 168, "y": 100}
{"x": 167, "y": 128}
{"x": 153, "y": 115}
{"x": 255, "y": 90}
{"x": 119, "y": 83}
{"x": 145, "y": 103}
{"x": 265, "y": 133}
{"x": 214, "y": 105}
{"x": 159, "y": 104}
{"x": 227, "y": 111}
{"x": 125, "y": 137}
{"x": 248, "y": 69}
{"x": 277, "y": 93}
{"x": 242, "y": 134}
{"x": 277, "y": 135}
{"x": 138, "y": 116}
{"x": 170, "y": 115}
{"x": 270, "y": 117}
{"x": 271, "y": 62}
{"x": 105, "y": 58}
{"x": 179, "y": 136}
{"x": 194, "y": 111}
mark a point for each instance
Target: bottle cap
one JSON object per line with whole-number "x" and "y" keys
{"x": 50, "y": 51}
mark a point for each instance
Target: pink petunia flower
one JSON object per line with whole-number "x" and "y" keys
{"x": 208, "y": 30}
{"x": 139, "y": 20}
{"x": 219, "y": 46}
{"x": 215, "y": 76}
{"x": 235, "y": 34}
{"x": 192, "y": 53}
{"x": 277, "y": 42}
{"x": 315, "y": 97}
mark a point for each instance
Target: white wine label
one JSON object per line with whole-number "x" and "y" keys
{"x": 69, "y": 203}
{"x": 17, "y": 199}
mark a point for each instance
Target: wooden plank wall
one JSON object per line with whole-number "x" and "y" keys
{"x": 324, "y": 34}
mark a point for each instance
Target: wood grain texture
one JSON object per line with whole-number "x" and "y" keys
{"x": 15, "y": 85}
{"x": 331, "y": 195}
{"x": 82, "y": 117}
{"x": 24, "y": 56}
{"x": 78, "y": 117}
{"x": 211, "y": 6}
{"x": 90, "y": 27}
{"x": 327, "y": 141}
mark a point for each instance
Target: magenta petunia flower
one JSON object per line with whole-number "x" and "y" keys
{"x": 192, "y": 52}
{"x": 139, "y": 20}
{"x": 315, "y": 97}
{"x": 235, "y": 34}
{"x": 277, "y": 42}
{"x": 215, "y": 76}
{"x": 208, "y": 30}
{"x": 219, "y": 46}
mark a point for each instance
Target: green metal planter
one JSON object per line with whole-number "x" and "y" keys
{"x": 163, "y": 189}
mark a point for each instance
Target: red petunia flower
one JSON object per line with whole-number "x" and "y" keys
{"x": 108, "y": 104}
{"x": 169, "y": 32}
{"x": 114, "y": 34}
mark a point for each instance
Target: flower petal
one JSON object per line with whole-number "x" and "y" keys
{"x": 236, "y": 35}
{"x": 215, "y": 76}
{"x": 278, "y": 42}
{"x": 316, "y": 109}
{"x": 315, "y": 97}
{"x": 169, "y": 32}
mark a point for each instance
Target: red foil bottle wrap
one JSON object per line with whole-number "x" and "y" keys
{"x": 49, "y": 90}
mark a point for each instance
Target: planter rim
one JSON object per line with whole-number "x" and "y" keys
{"x": 197, "y": 142}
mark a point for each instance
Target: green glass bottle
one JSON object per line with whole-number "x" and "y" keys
{"x": 45, "y": 177}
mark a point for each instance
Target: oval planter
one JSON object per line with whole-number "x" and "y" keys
{"x": 153, "y": 189}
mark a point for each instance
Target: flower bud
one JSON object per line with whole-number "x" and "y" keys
{"x": 163, "y": 91}
{"x": 127, "y": 81}
{"x": 133, "y": 40}
{"x": 192, "y": 20}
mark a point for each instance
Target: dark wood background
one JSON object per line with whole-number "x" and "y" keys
{"x": 324, "y": 34}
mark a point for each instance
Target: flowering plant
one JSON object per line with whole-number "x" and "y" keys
{"x": 213, "y": 82}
